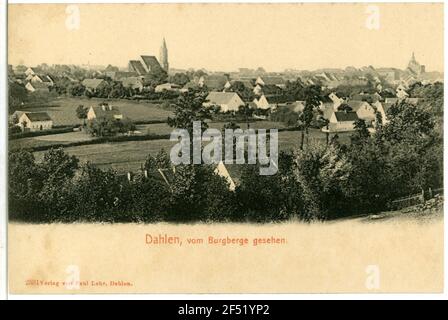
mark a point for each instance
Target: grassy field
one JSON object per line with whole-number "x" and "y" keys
{"x": 48, "y": 140}
{"x": 128, "y": 156}
{"x": 62, "y": 109}
{"x": 163, "y": 128}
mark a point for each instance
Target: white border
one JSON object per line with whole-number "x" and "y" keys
{"x": 3, "y": 215}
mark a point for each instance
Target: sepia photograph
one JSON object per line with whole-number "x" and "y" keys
{"x": 225, "y": 148}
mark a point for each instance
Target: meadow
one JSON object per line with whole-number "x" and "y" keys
{"x": 130, "y": 155}
{"x": 63, "y": 109}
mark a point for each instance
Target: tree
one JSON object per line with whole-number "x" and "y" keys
{"x": 25, "y": 179}
{"x": 344, "y": 107}
{"x": 17, "y": 95}
{"x": 189, "y": 108}
{"x": 407, "y": 123}
{"x": 180, "y": 79}
{"x": 312, "y": 101}
{"x": 361, "y": 131}
{"x": 246, "y": 112}
{"x": 81, "y": 113}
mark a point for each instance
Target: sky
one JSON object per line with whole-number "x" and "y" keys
{"x": 225, "y": 37}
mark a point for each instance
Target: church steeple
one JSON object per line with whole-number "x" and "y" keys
{"x": 163, "y": 56}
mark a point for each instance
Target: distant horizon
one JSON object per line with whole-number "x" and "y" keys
{"x": 226, "y": 71}
{"x": 225, "y": 37}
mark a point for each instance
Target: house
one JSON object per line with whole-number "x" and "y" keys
{"x": 262, "y": 103}
{"x": 37, "y": 87}
{"x": 104, "y": 111}
{"x": 32, "y": 71}
{"x": 247, "y": 84}
{"x": 213, "y": 82}
{"x": 336, "y": 100}
{"x": 35, "y": 121}
{"x": 228, "y": 101}
{"x": 93, "y": 84}
{"x": 167, "y": 87}
{"x": 231, "y": 173}
{"x": 277, "y": 81}
{"x": 341, "y": 121}
{"x": 401, "y": 92}
{"x": 41, "y": 78}
{"x": 363, "y": 109}
{"x": 258, "y": 90}
{"x": 120, "y": 75}
{"x": 14, "y": 118}
{"x": 382, "y": 109}
{"x": 135, "y": 83}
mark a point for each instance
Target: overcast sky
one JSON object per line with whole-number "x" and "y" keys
{"x": 226, "y": 37}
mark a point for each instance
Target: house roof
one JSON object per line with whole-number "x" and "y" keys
{"x": 356, "y": 104}
{"x": 272, "y": 80}
{"x": 327, "y": 110}
{"x": 216, "y": 82}
{"x": 151, "y": 62}
{"x": 118, "y": 75}
{"x": 105, "y": 111}
{"x": 247, "y": 83}
{"x": 131, "y": 82}
{"x": 273, "y": 99}
{"x": 92, "y": 83}
{"x": 342, "y": 116}
{"x": 221, "y": 97}
{"x": 137, "y": 66}
{"x": 38, "y": 116}
{"x": 38, "y": 85}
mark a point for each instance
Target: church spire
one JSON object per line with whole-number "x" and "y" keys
{"x": 163, "y": 55}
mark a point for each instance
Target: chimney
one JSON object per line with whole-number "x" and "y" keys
{"x": 103, "y": 107}
{"x": 129, "y": 176}
{"x": 146, "y": 173}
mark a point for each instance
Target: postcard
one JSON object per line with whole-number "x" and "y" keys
{"x": 225, "y": 148}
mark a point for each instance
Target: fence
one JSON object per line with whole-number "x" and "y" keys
{"x": 415, "y": 199}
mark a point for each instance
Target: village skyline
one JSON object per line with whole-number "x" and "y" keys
{"x": 329, "y": 40}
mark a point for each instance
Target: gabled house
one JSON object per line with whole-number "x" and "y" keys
{"x": 104, "y": 111}
{"x": 231, "y": 173}
{"x": 228, "y": 101}
{"x": 37, "y": 87}
{"x": 265, "y": 80}
{"x": 213, "y": 82}
{"x": 32, "y": 71}
{"x": 363, "y": 109}
{"x": 258, "y": 90}
{"x": 341, "y": 121}
{"x": 135, "y": 83}
{"x": 262, "y": 102}
{"x": 336, "y": 100}
{"x": 35, "y": 121}
{"x": 93, "y": 84}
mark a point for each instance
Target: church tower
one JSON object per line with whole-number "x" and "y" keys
{"x": 163, "y": 56}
